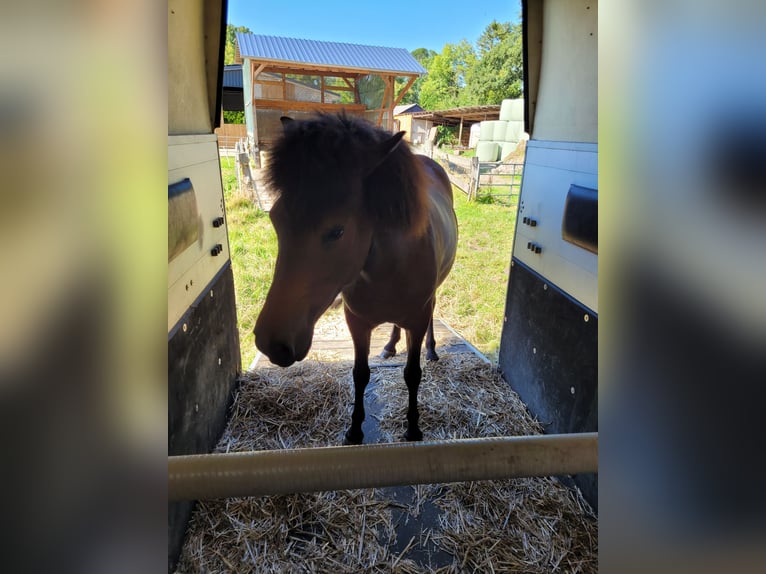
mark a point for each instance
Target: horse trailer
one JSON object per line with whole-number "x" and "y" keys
{"x": 548, "y": 350}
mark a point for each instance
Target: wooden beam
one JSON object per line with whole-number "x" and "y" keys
{"x": 269, "y": 104}
{"x": 460, "y": 132}
{"x": 333, "y": 88}
{"x": 319, "y": 70}
{"x": 257, "y": 72}
{"x": 405, "y": 90}
{"x": 321, "y": 85}
{"x": 386, "y": 96}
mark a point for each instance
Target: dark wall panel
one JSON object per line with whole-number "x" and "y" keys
{"x": 549, "y": 355}
{"x": 203, "y": 367}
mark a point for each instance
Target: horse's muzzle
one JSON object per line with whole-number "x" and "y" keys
{"x": 280, "y": 354}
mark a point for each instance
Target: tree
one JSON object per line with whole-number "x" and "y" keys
{"x": 231, "y": 41}
{"x": 424, "y": 56}
{"x": 444, "y": 86}
{"x": 493, "y": 34}
{"x": 499, "y": 73}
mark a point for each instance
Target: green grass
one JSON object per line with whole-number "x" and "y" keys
{"x": 253, "y": 245}
{"x": 471, "y": 300}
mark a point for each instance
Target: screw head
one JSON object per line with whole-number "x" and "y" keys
{"x": 586, "y": 318}
{"x": 185, "y": 328}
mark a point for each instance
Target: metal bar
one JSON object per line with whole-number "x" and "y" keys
{"x": 205, "y": 477}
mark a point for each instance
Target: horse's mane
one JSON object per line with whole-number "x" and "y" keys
{"x": 315, "y": 163}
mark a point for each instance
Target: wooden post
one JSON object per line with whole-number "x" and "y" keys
{"x": 254, "y": 73}
{"x": 385, "y": 99}
{"x": 460, "y": 133}
{"x": 321, "y": 79}
{"x": 473, "y": 189}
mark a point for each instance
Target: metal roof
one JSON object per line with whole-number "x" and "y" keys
{"x": 327, "y": 54}
{"x": 232, "y": 76}
{"x": 466, "y": 114}
{"x": 407, "y": 109}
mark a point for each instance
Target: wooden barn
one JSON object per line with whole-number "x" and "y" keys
{"x": 289, "y": 76}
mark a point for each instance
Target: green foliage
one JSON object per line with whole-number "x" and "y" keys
{"x": 445, "y": 84}
{"x": 424, "y": 57}
{"x": 230, "y": 117}
{"x": 498, "y": 75}
{"x": 493, "y": 34}
{"x": 446, "y": 136}
{"x": 231, "y": 41}
{"x": 462, "y": 76}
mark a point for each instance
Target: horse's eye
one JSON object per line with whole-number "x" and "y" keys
{"x": 334, "y": 234}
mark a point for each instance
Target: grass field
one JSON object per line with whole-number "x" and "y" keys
{"x": 471, "y": 300}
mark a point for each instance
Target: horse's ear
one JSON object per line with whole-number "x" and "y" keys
{"x": 384, "y": 149}
{"x": 286, "y": 122}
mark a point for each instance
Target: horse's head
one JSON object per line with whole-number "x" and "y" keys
{"x": 325, "y": 220}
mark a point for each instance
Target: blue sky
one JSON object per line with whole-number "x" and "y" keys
{"x": 394, "y": 23}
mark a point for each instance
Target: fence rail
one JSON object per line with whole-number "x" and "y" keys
{"x": 497, "y": 180}
{"x": 501, "y": 182}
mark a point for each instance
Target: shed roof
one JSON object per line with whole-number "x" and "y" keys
{"x": 407, "y": 109}
{"x": 330, "y": 55}
{"x": 453, "y": 116}
{"x": 232, "y": 76}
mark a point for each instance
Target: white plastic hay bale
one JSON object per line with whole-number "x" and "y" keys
{"x": 486, "y": 128}
{"x": 507, "y": 148}
{"x": 473, "y": 138}
{"x": 498, "y": 130}
{"x": 511, "y": 110}
{"x": 513, "y": 131}
{"x": 487, "y": 151}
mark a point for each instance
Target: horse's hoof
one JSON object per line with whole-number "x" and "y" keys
{"x": 386, "y": 354}
{"x": 413, "y": 435}
{"x": 431, "y": 356}
{"x": 352, "y": 438}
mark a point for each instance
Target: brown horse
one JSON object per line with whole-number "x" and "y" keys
{"x": 361, "y": 215}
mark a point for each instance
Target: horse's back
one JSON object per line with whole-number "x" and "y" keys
{"x": 441, "y": 215}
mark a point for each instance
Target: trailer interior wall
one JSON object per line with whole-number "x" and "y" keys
{"x": 203, "y": 341}
{"x": 563, "y": 55}
{"x": 549, "y": 345}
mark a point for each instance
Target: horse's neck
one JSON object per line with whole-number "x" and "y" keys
{"x": 395, "y": 255}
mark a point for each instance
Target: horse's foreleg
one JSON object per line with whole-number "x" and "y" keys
{"x": 390, "y": 349}
{"x": 360, "y": 334}
{"x": 412, "y": 375}
{"x": 431, "y": 342}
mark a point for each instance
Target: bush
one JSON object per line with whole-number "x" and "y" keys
{"x": 230, "y": 117}
{"x": 446, "y": 136}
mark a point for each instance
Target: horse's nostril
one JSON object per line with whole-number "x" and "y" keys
{"x": 281, "y": 354}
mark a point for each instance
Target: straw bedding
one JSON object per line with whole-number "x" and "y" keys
{"x": 520, "y": 525}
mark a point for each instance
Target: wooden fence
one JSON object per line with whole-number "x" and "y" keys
{"x": 230, "y": 134}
